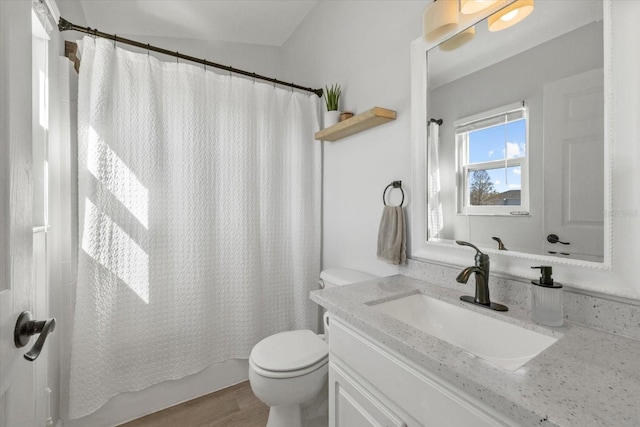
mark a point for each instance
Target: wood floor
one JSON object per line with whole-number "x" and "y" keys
{"x": 235, "y": 406}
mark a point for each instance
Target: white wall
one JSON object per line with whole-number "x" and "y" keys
{"x": 365, "y": 47}
{"x": 63, "y": 234}
{"x": 72, "y": 11}
{"x": 263, "y": 60}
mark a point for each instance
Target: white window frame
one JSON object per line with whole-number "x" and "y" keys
{"x": 462, "y": 127}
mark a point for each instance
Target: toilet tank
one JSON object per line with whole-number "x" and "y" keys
{"x": 332, "y": 277}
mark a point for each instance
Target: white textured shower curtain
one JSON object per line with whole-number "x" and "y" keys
{"x": 199, "y": 199}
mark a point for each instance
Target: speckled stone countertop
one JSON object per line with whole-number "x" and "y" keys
{"x": 587, "y": 378}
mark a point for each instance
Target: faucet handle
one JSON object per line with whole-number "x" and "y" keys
{"x": 500, "y": 243}
{"x": 463, "y": 243}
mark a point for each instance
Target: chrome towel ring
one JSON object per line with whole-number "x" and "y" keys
{"x": 394, "y": 184}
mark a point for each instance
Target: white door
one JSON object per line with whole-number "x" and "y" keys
{"x": 17, "y": 400}
{"x": 574, "y": 166}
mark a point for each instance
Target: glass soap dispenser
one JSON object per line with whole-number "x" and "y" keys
{"x": 546, "y": 299}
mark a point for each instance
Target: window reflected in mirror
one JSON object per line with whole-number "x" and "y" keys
{"x": 492, "y": 158}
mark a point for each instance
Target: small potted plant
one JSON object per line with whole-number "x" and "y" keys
{"x": 332, "y": 99}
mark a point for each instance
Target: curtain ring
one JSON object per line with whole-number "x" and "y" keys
{"x": 230, "y": 71}
{"x": 148, "y": 46}
{"x": 292, "y": 87}
{"x": 114, "y": 40}
{"x": 254, "y": 78}
{"x": 177, "y": 58}
{"x": 204, "y": 64}
{"x": 394, "y": 184}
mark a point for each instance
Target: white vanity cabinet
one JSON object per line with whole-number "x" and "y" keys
{"x": 370, "y": 385}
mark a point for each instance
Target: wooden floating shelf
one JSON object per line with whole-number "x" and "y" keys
{"x": 363, "y": 121}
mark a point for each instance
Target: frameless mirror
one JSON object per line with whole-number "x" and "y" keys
{"x": 518, "y": 161}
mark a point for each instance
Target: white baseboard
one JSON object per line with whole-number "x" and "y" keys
{"x": 129, "y": 406}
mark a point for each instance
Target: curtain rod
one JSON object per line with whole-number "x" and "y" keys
{"x": 64, "y": 25}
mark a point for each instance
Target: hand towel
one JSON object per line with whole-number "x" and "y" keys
{"x": 392, "y": 236}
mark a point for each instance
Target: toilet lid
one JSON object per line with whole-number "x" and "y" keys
{"x": 289, "y": 351}
{"x": 344, "y": 276}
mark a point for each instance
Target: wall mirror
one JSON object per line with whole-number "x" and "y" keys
{"x": 519, "y": 164}
{"x": 610, "y": 270}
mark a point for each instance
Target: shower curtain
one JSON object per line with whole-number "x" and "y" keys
{"x": 199, "y": 216}
{"x": 435, "y": 222}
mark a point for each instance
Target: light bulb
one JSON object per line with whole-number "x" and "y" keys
{"x": 509, "y": 16}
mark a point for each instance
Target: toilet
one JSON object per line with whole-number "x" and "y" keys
{"x": 288, "y": 371}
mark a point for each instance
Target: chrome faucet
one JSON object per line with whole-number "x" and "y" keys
{"x": 481, "y": 270}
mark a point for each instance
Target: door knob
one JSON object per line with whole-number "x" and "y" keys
{"x": 26, "y": 327}
{"x": 553, "y": 238}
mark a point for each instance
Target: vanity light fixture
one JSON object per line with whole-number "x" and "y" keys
{"x": 469, "y": 7}
{"x": 458, "y": 40}
{"x": 439, "y": 18}
{"x": 510, "y": 15}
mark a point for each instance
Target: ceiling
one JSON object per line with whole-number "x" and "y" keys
{"x": 549, "y": 19}
{"x": 262, "y": 22}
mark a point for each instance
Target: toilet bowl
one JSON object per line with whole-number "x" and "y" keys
{"x": 288, "y": 371}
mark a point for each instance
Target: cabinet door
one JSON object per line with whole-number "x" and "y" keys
{"x": 352, "y": 406}
{"x": 422, "y": 398}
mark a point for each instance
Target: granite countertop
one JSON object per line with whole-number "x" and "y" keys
{"x": 587, "y": 378}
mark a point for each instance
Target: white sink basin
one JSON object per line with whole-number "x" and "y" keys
{"x": 501, "y": 343}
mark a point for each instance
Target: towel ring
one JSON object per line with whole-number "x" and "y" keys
{"x": 394, "y": 184}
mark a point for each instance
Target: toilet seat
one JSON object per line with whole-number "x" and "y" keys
{"x": 287, "y": 374}
{"x": 289, "y": 354}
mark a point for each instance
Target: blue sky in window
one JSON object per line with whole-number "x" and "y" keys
{"x": 496, "y": 142}
{"x": 505, "y": 179}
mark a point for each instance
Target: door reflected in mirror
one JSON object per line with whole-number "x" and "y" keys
{"x": 520, "y": 152}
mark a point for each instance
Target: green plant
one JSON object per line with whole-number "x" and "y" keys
{"x": 332, "y": 96}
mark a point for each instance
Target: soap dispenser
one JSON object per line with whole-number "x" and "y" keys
{"x": 546, "y": 299}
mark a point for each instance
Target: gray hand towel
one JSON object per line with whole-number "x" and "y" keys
{"x": 392, "y": 236}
